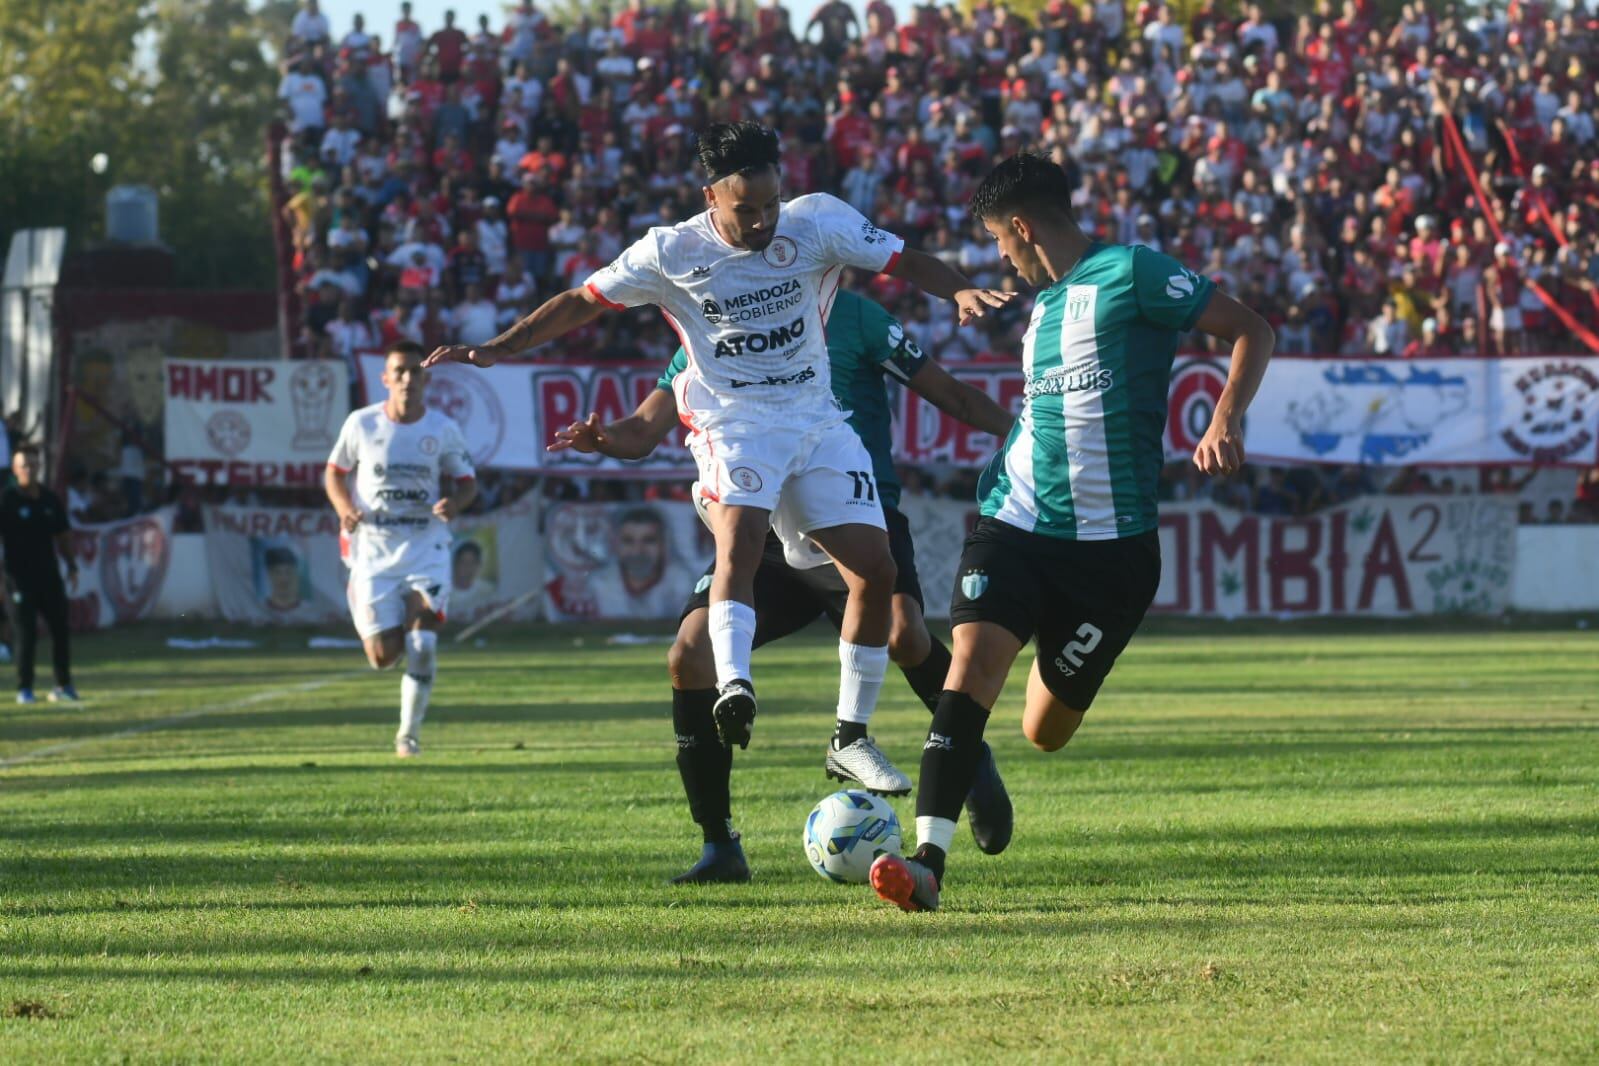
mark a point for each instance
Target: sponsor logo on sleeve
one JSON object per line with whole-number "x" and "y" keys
{"x": 1180, "y": 286}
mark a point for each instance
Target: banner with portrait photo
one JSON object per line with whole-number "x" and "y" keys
{"x": 497, "y": 558}
{"x": 122, "y": 567}
{"x": 622, "y": 561}
{"x": 276, "y": 565}
{"x": 269, "y": 424}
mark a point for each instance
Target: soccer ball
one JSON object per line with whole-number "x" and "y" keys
{"x": 846, "y": 832}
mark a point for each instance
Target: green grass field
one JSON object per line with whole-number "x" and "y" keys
{"x": 1267, "y": 844}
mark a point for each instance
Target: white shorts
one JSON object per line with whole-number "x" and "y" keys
{"x": 808, "y": 478}
{"x": 377, "y": 600}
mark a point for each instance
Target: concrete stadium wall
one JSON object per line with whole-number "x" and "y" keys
{"x": 1557, "y": 568}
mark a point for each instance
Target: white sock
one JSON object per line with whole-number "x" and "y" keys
{"x": 939, "y": 832}
{"x": 732, "y": 636}
{"x": 421, "y": 648}
{"x": 860, "y": 679}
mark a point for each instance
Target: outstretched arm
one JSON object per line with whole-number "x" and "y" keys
{"x": 968, "y": 403}
{"x": 633, "y": 437}
{"x": 933, "y": 275}
{"x": 557, "y": 316}
{"x": 1221, "y": 451}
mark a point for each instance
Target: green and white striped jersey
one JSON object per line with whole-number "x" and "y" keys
{"x": 1084, "y": 457}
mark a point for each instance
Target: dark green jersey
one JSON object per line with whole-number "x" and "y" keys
{"x": 864, "y": 342}
{"x": 1083, "y": 460}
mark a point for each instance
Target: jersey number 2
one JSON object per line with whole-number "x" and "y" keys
{"x": 1070, "y": 659}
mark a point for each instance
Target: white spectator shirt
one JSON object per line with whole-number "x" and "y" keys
{"x": 491, "y": 240}
{"x": 398, "y": 469}
{"x": 340, "y": 145}
{"x": 305, "y": 95}
{"x": 309, "y": 27}
{"x": 476, "y": 323}
{"x": 350, "y": 337}
{"x": 509, "y": 151}
{"x": 751, "y": 322}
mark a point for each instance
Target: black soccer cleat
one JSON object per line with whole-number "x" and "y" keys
{"x": 721, "y": 863}
{"x": 988, "y": 807}
{"x": 734, "y": 713}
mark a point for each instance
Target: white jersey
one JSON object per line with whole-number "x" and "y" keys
{"x": 752, "y": 322}
{"x": 398, "y": 468}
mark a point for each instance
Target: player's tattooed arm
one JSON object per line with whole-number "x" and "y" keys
{"x": 936, "y": 277}
{"x": 459, "y": 499}
{"x": 1221, "y": 450}
{"x": 633, "y": 437}
{"x": 554, "y": 318}
{"x": 334, "y": 483}
{"x": 960, "y": 400}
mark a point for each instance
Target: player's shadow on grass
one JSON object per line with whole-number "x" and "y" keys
{"x": 1524, "y": 846}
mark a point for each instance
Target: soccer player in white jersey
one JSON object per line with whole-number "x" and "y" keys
{"x": 747, "y": 285}
{"x": 394, "y": 516}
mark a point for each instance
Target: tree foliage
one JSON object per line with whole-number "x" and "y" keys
{"x": 176, "y": 93}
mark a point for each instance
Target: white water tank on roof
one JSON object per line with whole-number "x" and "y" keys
{"x": 131, "y": 214}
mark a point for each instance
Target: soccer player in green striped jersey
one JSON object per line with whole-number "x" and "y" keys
{"x": 1066, "y": 549}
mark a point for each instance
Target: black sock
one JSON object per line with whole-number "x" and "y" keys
{"x": 927, "y": 677}
{"x": 950, "y": 756}
{"x": 847, "y": 733}
{"x": 704, "y": 764}
{"x": 932, "y": 857}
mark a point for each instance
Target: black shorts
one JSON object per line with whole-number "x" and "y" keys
{"x": 787, "y": 599}
{"x": 1082, "y": 599}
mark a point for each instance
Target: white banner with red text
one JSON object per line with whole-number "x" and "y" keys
{"x": 281, "y": 566}
{"x": 122, "y": 567}
{"x": 509, "y": 413}
{"x": 1374, "y": 412}
{"x": 269, "y": 424}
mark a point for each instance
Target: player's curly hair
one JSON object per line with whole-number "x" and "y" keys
{"x": 728, "y": 148}
{"x": 1026, "y": 182}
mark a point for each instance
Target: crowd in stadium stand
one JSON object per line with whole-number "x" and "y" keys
{"x": 441, "y": 181}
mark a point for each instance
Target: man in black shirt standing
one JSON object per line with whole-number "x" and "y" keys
{"x": 33, "y": 529}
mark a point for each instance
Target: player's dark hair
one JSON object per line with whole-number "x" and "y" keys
{"x": 30, "y": 450}
{"x": 728, "y": 148}
{"x": 1024, "y": 182}
{"x": 406, "y": 348}
{"x": 645, "y": 515}
{"x": 279, "y": 557}
{"x": 468, "y": 547}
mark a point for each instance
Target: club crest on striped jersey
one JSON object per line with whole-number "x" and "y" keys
{"x": 973, "y": 584}
{"x": 1077, "y": 306}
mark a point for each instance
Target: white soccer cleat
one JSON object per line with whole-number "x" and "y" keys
{"x": 406, "y": 747}
{"x": 865, "y": 763}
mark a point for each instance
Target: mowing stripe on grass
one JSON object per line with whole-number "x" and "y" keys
{"x": 174, "y": 719}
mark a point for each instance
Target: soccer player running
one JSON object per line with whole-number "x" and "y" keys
{"x": 746, "y": 285}
{"x": 865, "y": 345}
{"x": 1066, "y": 550}
{"x": 395, "y": 519}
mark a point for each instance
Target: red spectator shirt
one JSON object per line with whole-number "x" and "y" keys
{"x": 851, "y": 134}
{"x": 530, "y": 218}
{"x": 450, "y": 47}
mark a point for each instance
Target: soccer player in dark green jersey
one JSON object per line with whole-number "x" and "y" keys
{"x": 865, "y": 345}
{"x": 1066, "y": 550}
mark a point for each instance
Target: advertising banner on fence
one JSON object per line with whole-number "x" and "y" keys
{"x": 509, "y": 413}
{"x": 281, "y": 566}
{"x": 233, "y": 422}
{"x": 121, "y": 568}
{"x": 1374, "y": 412}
